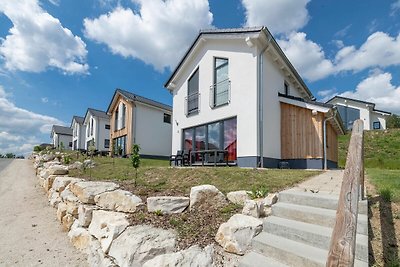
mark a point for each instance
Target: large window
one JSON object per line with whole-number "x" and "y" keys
{"x": 107, "y": 126}
{"x": 348, "y": 115}
{"x": 376, "y": 125}
{"x": 123, "y": 123}
{"x": 192, "y": 99}
{"x": 120, "y": 145}
{"x": 91, "y": 126}
{"x": 167, "y": 118}
{"x": 106, "y": 143}
{"x": 217, "y": 135}
{"x": 221, "y": 82}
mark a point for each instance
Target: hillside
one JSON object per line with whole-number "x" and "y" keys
{"x": 382, "y": 149}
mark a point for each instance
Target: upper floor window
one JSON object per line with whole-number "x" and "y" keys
{"x": 287, "y": 89}
{"x": 91, "y": 126}
{"x": 167, "y": 118}
{"x": 123, "y": 116}
{"x": 116, "y": 120}
{"x": 192, "y": 99}
{"x": 221, "y": 87}
{"x": 107, "y": 126}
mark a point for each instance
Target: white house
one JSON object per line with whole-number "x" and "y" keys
{"x": 139, "y": 120}
{"x": 97, "y": 125}
{"x": 353, "y": 109}
{"x": 235, "y": 90}
{"x": 61, "y": 137}
{"x": 78, "y": 133}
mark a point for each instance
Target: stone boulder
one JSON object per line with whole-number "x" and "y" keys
{"x": 77, "y": 165}
{"x": 106, "y": 226}
{"x": 252, "y": 208}
{"x": 140, "y": 243}
{"x": 58, "y": 170}
{"x": 61, "y": 182}
{"x": 85, "y": 213}
{"x": 193, "y": 256}
{"x": 205, "y": 197}
{"x": 118, "y": 200}
{"x": 67, "y": 221}
{"x": 270, "y": 200}
{"x": 86, "y": 191}
{"x": 88, "y": 163}
{"x": 48, "y": 182}
{"x": 47, "y": 157}
{"x": 238, "y": 197}
{"x": 96, "y": 255}
{"x": 167, "y": 205}
{"x": 236, "y": 234}
{"x": 54, "y": 198}
{"x": 47, "y": 165}
{"x": 61, "y": 210}
{"x": 79, "y": 237}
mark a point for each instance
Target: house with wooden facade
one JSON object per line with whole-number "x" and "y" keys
{"x": 139, "y": 120}
{"x": 97, "y": 124}
{"x": 78, "y": 133}
{"x": 61, "y": 137}
{"x": 235, "y": 91}
{"x": 353, "y": 109}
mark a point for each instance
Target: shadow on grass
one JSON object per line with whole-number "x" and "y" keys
{"x": 388, "y": 232}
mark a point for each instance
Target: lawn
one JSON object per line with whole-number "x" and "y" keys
{"x": 156, "y": 176}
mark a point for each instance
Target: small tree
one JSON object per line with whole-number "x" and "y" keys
{"x": 135, "y": 159}
{"x": 91, "y": 148}
{"x": 62, "y": 147}
{"x": 10, "y": 155}
{"x": 393, "y": 121}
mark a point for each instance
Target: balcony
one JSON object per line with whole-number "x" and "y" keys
{"x": 220, "y": 93}
{"x": 192, "y": 104}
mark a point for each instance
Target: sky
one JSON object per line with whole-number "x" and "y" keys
{"x": 60, "y": 57}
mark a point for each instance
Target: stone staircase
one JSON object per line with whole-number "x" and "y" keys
{"x": 299, "y": 230}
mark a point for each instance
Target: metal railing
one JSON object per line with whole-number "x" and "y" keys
{"x": 220, "y": 93}
{"x": 192, "y": 104}
{"x": 343, "y": 242}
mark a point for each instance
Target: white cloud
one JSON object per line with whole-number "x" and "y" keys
{"x": 158, "y": 33}
{"x": 394, "y": 7}
{"x": 379, "y": 50}
{"x": 55, "y": 2}
{"x": 44, "y": 99}
{"x": 378, "y": 89}
{"x": 38, "y": 41}
{"x": 280, "y": 16}
{"x": 343, "y": 32}
{"x": 307, "y": 56}
{"x": 21, "y": 129}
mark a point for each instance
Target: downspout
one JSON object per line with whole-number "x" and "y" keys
{"x": 325, "y": 146}
{"x": 260, "y": 83}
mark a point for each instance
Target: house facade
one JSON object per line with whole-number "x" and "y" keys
{"x": 231, "y": 92}
{"x": 78, "y": 133}
{"x": 353, "y": 109}
{"x": 61, "y": 137}
{"x": 97, "y": 132}
{"x": 139, "y": 120}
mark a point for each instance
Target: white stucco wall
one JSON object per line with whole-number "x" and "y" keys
{"x": 242, "y": 74}
{"x": 99, "y": 132}
{"x": 65, "y": 139}
{"x": 375, "y": 117}
{"x": 79, "y": 131}
{"x": 153, "y": 135}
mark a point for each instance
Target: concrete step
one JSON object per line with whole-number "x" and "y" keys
{"x": 311, "y": 234}
{"x": 290, "y": 252}
{"x": 313, "y": 215}
{"x": 254, "y": 259}
{"x": 317, "y": 200}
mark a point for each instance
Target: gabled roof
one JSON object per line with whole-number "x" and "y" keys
{"x": 359, "y": 101}
{"x": 78, "y": 120}
{"x": 238, "y": 31}
{"x": 134, "y": 97}
{"x": 96, "y": 113}
{"x": 61, "y": 130}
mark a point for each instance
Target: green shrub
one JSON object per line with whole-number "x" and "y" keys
{"x": 386, "y": 194}
{"x": 259, "y": 192}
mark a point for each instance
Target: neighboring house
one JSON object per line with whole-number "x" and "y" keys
{"x": 139, "y": 120}
{"x": 353, "y": 109}
{"x": 78, "y": 133}
{"x": 62, "y": 137}
{"x": 97, "y": 125}
{"x": 235, "y": 90}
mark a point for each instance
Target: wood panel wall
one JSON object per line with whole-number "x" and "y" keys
{"x": 302, "y": 134}
{"x": 128, "y": 130}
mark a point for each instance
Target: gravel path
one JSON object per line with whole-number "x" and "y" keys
{"x": 30, "y": 234}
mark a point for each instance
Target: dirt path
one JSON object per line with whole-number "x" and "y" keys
{"x": 30, "y": 235}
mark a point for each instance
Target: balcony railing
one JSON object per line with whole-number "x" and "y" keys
{"x": 192, "y": 104}
{"x": 220, "y": 93}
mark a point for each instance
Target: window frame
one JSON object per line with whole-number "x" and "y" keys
{"x": 189, "y": 94}
{"x": 167, "y": 118}
{"x": 376, "y": 123}
{"x": 214, "y": 103}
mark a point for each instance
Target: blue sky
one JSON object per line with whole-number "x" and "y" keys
{"x": 59, "y": 57}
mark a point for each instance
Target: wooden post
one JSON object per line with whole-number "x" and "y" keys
{"x": 343, "y": 242}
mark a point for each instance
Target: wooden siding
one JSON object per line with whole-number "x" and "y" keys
{"x": 302, "y": 134}
{"x": 128, "y": 130}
